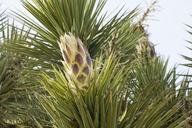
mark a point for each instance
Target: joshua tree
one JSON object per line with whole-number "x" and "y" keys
{"x": 79, "y": 69}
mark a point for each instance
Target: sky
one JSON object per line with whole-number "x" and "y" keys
{"x": 166, "y": 26}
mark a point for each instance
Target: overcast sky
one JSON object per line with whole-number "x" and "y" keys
{"x": 166, "y": 26}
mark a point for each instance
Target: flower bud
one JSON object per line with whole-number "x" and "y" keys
{"x": 145, "y": 49}
{"x": 77, "y": 61}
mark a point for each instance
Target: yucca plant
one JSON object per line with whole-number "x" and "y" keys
{"x": 188, "y": 100}
{"x": 87, "y": 71}
{"x": 113, "y": 99}
{"x": 10, "y": 94}
{"x": 18, "y": 106}
{"x": 82, "y": 18}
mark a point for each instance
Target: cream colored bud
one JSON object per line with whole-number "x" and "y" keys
{"x": 145, "y": 48}
{"x": 77, "y": 61}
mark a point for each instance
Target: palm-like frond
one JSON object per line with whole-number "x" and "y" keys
{"x": 15, "y": 97}
{"x": 188, "y": 58}
{"x": 110, "y": 101}
{"x": 154, "y": 70}
{"x": 82, "y": 18}
{"x": 17, "y": 103}
{"x": 9, "y": 73}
